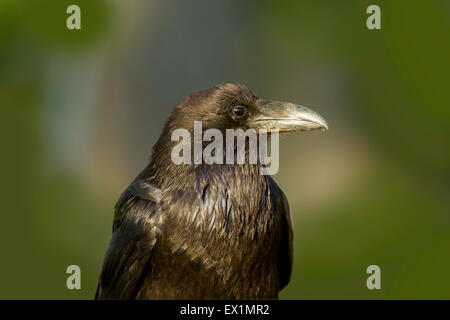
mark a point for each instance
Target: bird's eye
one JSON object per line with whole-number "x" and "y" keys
{"x": 239, "y": 111}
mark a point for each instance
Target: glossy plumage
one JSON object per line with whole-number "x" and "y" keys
{"x": 199, "y": 231}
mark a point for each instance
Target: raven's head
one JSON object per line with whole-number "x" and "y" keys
{"x": 222, "y": 107}
{"x": 232, "y": 106}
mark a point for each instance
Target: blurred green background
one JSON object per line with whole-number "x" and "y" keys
{"x": 82, "y": 109}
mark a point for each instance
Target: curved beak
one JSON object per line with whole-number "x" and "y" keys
{"x": 285, "y": 117}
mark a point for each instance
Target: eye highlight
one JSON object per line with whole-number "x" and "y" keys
{"x": 238, "y": 111}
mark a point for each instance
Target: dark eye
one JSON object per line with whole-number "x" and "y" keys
{"x": 239, "y": 111}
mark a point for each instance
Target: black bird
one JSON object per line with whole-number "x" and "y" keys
{"x": 205, "y": 231}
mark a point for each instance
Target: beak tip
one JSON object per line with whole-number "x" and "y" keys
{"x": 323, "y": 124}
{"x": 315, "y": 119}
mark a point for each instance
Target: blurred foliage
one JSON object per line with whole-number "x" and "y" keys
{"x": 393, "y": 96}
{"x": 42, "y": 23}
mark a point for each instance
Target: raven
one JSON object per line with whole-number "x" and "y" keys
{"x": 205, "y": 231}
